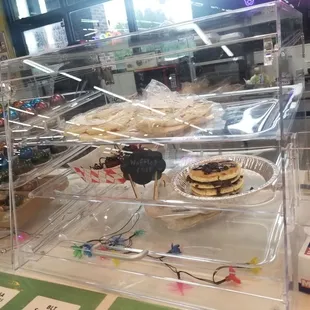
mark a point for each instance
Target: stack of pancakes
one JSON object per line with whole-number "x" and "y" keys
{"x": 216, "y": 178}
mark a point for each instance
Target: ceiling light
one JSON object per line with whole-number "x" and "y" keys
{"x": 37, "y": 66}
{"x": 227, "y": 51}
{"x": 198, "y": 4}
{"x": 70, "y": 76}
{"x": 201, "y": 34}
{"x": 148, "y": 108}
{"x": 90, "y": 34}
{"x": 207, "y": 41}
{"x": 111, "y": 94}
{"x": 89, "y": 20}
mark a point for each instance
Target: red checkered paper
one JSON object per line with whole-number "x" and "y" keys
{"x": 110, "y": 175}
{"x": 82, "y": 168}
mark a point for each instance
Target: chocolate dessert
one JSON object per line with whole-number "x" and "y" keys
{"x": 216, "y": 178}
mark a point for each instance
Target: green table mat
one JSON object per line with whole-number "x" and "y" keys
{"x": 30, "y": 288}
{"x": 129, "y": 304}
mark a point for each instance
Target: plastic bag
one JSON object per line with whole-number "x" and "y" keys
{"x": 159, "y": 113}
{"x": 167, "y": 113}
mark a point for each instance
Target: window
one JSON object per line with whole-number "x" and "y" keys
{"x": 46, "y": 38}
{"x": 154, "y": 13}
{"x": 99, "y": 21}
{"x": 27, "y": 8}
{"x": 72, "y": 2}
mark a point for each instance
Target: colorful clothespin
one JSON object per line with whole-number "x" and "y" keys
{"x": 232, "y": 276}
{"x": 179, "y": 287}
{"x": 139, "y": 232}
{"x": 254, "y": 261}
{"x": 77, "y": 251}
{"x": 175, "y": 249}
{"x": 87, "y": 249}
{"x": 103, "y": 248}
{"x": 117, "y": 240}
{"x": 116, "y": 262}
{"x": 15, "y": 285}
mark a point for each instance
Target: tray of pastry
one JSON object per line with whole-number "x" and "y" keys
{"x": 179, "y": 119}
{"x": 162, "y": 116}
{"x": 35, "y": 162}
{"x": 248, "y": 117}
{"x": 261, "y": 189}
{"x": 124, "y": 124}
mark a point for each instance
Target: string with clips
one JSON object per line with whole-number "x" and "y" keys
{"x": 115, "y": 240}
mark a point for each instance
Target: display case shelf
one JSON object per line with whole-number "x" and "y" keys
{"x": 261, "y": 293}
{"x": 229, "y": 239}
{"x": 230, "y": 236}
{"x": 45, "y": 120}
{"x": 223, "y": 240}
{"x": 264, "y": 201}
{"x": 46, "y": 168}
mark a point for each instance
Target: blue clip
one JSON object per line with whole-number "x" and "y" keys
{"x": 87, "y": 249}
{"x": 116, "y": 240}
{"x": 175, "y": 249}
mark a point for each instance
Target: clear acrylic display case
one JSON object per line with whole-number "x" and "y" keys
{"x": 226, "y": 85}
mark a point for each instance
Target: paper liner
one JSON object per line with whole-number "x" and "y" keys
{"x": 109, "y": 175}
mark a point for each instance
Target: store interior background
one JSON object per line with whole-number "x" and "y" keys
{"x": 43, "y": 25}
{"x": 37, "y": 26}
{"x": 30, "y": 27}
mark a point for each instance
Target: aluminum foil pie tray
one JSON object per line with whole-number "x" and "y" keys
{"x": 258, "y": 174}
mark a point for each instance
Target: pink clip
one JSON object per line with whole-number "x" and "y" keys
{"x": 232, "y": 276}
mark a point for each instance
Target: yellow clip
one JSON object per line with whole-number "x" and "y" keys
{"x": 15, "y": 284}
{"x": 116, "y": 262}
{"x": 254, "y": 261}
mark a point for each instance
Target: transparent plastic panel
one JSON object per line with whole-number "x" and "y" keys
{"x": 260, "y": 173}
{"x": 177, "y": 263}
{"x": 142, "y": 286}
{"x": 302, "y": 164}
{"x": 229, "y": 240}
{"x": 153, "y": 14}
{"x": 292, "y": 66}
{"x": 192, "y": 79}
{"x": 140, "y": 241}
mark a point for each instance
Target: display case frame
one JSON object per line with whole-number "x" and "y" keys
{"x": 148, "y": 241}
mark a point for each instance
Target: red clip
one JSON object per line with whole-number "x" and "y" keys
{"x": 102, "y": 248}
{"x": 232, "y": 276}
{"x": 179, "y": 287}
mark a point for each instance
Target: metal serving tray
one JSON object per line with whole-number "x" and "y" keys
{"x": 258, "y": 174}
